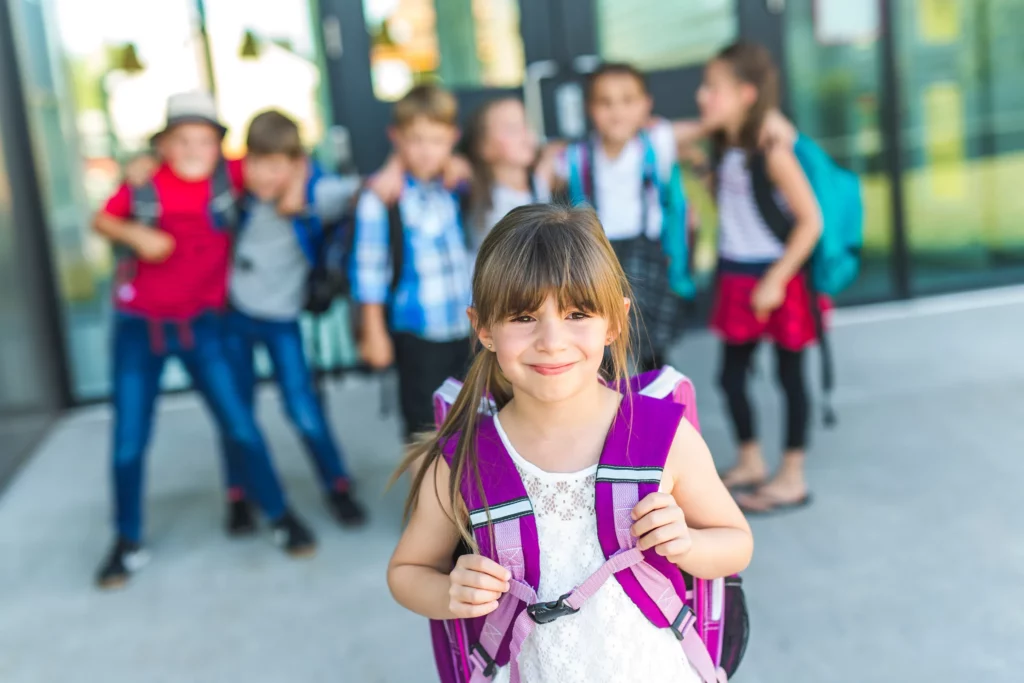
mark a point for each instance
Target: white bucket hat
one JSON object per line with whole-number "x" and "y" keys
{"x": 192, "y": 107}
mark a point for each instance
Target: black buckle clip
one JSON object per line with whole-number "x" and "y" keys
{"x": 546, "y": 612}
{"x": 684, "y": 614}
{"x": 490, "y": 667}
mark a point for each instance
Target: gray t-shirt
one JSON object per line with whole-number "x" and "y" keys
{"x": 269, "y": 273}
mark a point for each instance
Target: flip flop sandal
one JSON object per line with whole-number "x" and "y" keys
{"x": 775, "y": 506}
{"x": 746, "y": 487}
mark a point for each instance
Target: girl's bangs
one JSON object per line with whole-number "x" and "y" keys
{"x": 574, "y": 272}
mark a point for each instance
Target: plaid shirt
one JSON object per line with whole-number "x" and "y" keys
{"x": 435, "y": 287}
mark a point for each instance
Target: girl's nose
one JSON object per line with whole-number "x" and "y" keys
{"x": 551, "y": 335}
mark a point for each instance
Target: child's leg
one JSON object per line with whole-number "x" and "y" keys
{"x": 137, "y": 370}
{"x": 207, "y": 364}
{"x": 789, "y": 486}
{"x": 239, "y": 349}
{"x": 750, "y": 467}
{"x": 284, "y": 344}
{"x": 422, "y": 368}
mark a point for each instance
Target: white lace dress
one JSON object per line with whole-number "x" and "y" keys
{"x": 609, "y": 640}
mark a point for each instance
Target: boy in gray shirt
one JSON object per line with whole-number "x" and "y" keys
{"x": 274, "y": 255}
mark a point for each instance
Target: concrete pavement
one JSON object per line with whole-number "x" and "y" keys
{"x": 908, "y": 567}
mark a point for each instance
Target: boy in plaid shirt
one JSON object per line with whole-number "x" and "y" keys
{"x": 416, "y": 318}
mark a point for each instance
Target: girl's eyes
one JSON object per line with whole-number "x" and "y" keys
{"x": 575, "y": 315}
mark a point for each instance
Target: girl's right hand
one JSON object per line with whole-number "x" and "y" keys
{"x": 477, "y": 583}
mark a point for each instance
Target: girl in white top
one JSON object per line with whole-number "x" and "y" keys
{"x": 549, "y": 300}
{"x": 503, "y": 152}
{"x": 617, "y": 179}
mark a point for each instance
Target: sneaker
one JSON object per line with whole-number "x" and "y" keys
{"x": 125, "y": 559}
{"x": 346, "y": 509}
{"x": 240, "y": 521}
{"x": 292, "y": 536}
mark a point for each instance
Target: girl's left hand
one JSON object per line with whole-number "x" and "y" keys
{"x": 660, "y": 524}
{"x": 768, "y": 295}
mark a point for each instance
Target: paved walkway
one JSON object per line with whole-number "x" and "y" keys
{"x": 909, "y": 567}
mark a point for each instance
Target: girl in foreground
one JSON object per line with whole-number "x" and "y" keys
{"x": 549, "y": 298}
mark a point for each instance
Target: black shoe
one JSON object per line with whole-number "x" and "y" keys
{"x": 241, "y": 521}
{"x": 345, "y": 509}
{"x": 125, "y": 558}
{"x": 293, "y": 536}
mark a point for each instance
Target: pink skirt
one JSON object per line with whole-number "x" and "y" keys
{"x": 791, "y": 325}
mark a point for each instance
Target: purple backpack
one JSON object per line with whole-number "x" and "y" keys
{"x": 708, "y": 617}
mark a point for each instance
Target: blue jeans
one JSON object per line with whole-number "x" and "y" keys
{"x": 141, "y": 348}
{"x": 283, "y": 341}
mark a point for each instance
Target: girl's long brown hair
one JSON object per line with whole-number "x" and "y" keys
{"x": 751, "y": 64}
{"x": 534, "y": 252}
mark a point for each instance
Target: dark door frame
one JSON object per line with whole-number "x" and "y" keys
{"x": 32, "y": 238}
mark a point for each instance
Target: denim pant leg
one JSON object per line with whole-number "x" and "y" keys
{"x": 136, "y": 382}
{"x": 291, "y": 370}
{"x": 238, "y": 347}
{"x": 209, "y": 367}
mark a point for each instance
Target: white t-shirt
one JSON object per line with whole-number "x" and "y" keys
{"x": 618, "y": 183}
{"x": 744, "y": 236}
{"x": 503, "y": 200}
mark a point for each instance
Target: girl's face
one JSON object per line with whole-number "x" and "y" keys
{"x": 508, "y": 139}
{"x": 619, "y": 107}
{"x": 550, "y": 354}
{"x": 723, "y": 99}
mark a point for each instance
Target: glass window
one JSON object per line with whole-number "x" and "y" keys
{"x": 833, "y": 69}
{"x": 963, "y": 140}
{"x": 654, "y": 34}
{"x": 264, "y": 57}
{"x": 461, "y": 43}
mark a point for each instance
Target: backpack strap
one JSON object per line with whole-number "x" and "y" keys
{"x": 223, "y": 199}
{"x": 781, "y": 226}
{"x": 631, "y": 468}
{"x": 145, "y": 204}
{"x": 505, "y": 531}
{"x": 396, "y": 244}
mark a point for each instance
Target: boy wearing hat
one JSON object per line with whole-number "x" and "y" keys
{"x": 169, "y": 291}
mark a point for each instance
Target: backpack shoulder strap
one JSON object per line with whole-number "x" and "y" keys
{"x": 145, "y": 204}
{"x": 631, "y": 468}
{"x": 396, "y": 244}
{"x": 764, "y": 196}
{"x": 223, "y": 199}
{"x": 505, "y": 530}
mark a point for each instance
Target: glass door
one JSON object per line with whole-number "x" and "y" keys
{"x": 378, "y": 49}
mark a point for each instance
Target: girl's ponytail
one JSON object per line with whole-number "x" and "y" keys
{"x": 484, "y": 380}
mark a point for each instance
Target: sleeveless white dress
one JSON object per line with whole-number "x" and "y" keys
{"x": 609, "y": 640}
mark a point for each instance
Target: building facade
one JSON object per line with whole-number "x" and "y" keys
{"x": 917, "y": 96}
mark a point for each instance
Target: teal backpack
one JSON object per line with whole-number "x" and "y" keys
{"x": 836, "y": 260}
{"x": 674, "y": 237}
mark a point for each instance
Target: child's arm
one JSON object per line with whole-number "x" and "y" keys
{"x": 370, "y": 280}
{"x": 114, "y": 223}
{"x": 786, "y": 174}
{"x": 696, "y": 524}
{"x": 420, "y": 574}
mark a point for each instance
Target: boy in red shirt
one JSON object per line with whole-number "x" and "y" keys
{"x": 168, "y": 295}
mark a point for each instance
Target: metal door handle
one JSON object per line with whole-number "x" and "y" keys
{"x": 532, "y": 96}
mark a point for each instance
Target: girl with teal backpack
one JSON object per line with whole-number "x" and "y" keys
{"x": 789, "y": 233}
{"x": 628, "y": 171}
